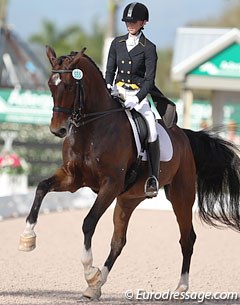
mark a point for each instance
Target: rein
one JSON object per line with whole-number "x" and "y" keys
{"x": 78, "y": 117}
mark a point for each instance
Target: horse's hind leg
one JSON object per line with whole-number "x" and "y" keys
{"x": 59, "y": 182}
{"x": 182, "y": 199}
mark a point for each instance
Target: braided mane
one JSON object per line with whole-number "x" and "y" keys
{"x": 93, "y": 62}
{"x": 71, "y": 56}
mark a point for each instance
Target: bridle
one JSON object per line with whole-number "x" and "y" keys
{"x": 78, "y": 116}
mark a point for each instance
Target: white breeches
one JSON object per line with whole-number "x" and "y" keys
{"x": 144, "y": 108}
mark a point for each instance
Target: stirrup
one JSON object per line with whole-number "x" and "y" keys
{"x": 150, "y": 190}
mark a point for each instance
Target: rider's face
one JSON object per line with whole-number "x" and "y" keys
{"x": 135, "y": 26}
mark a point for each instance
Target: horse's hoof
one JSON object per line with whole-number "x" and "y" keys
{"x": 27, "y": 243}
{"x": 93, "y": 277}
{"x": 182, "y": 288}
{"x": 92, "y": 294}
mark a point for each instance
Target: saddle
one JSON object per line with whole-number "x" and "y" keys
{"x": 142, "y": 129}
{"x": 141, "y": 132}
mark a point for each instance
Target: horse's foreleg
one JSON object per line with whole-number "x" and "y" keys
{"x": 122, "y": 213}
{"x": 93, "y": 275}
{"x": 28, "y": 237}
{"x": 58, "y": 182}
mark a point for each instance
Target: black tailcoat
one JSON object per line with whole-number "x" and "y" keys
{"x": 136, "y": 67}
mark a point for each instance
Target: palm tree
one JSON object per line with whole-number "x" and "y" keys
{"x": 72, "y": 38}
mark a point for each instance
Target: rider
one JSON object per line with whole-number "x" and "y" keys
{"x": 134, "y": 57}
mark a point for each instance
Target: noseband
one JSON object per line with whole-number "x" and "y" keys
{"x": 78, "y": 117}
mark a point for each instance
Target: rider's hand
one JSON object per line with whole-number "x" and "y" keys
{"x": 112, "y": 90}
{"x": 131, "y": 102}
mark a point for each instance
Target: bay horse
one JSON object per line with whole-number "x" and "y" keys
{"x": 98, "y": 151}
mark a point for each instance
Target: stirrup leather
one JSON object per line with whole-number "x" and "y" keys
{"x": 148, "y": 188}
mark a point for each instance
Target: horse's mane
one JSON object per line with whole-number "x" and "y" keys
{"x": 96, "y": 66}
{"x": 93, "y": 62}
{"x": 71, "y": 56}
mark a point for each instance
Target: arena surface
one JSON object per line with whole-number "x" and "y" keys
{"x": 150, "y": 262}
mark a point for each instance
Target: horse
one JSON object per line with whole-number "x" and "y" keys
{"x": 98, "y": 152}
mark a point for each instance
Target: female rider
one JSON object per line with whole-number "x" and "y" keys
{"x": 134, "y": 58}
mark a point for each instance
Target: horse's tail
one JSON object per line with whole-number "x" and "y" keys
{"x": 218, "y": 178}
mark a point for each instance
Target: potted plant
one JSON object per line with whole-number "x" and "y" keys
{"x": 13, "y": 172}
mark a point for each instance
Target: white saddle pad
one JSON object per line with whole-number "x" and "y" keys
{"x": 166, "y": 148}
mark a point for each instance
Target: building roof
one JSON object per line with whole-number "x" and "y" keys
{"x": 20, "y": 67}
{"x": 195, "y": 45}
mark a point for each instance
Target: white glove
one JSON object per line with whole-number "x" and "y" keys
{"x": 131, "y": 102}
{"x": 112, "y": 89}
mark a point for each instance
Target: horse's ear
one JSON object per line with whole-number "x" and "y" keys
{"x": 78, "y": 56}
{"x": 51, "y": 55}
{"x": 83, "y": 50}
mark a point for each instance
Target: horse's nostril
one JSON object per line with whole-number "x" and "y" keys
{"x": 59, "y": 132}
{"x": 62, "y": 132}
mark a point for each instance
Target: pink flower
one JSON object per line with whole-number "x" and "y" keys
{"x": 11, "y": 160}
{"x": 15, "y": 160}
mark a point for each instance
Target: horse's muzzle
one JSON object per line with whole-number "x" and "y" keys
{"x": 61, "y": 132}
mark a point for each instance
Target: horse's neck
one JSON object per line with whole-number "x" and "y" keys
{"x": 99, "y": 100}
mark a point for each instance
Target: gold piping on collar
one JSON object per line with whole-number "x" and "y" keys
{"x": 141, "y": 38}
{"x": 143, "y": 43}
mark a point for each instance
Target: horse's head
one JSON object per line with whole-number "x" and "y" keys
{"x": 71, "y": 86}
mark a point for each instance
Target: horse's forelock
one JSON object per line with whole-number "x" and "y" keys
{"x": 66, "y": 58}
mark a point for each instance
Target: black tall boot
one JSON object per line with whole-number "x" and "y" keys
{"x": 152, "y": 184}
